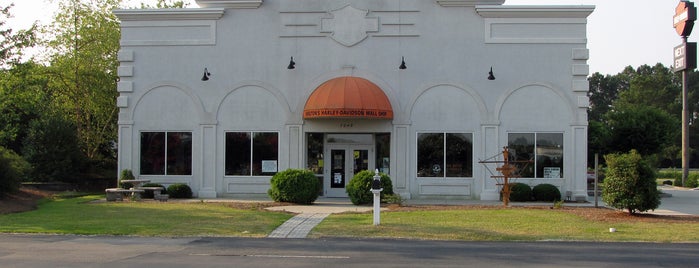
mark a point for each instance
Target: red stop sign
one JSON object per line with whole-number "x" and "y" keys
{"x": 685, "y": 15}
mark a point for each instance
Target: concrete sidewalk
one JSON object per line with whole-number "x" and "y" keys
{"x": 311, "y": 215}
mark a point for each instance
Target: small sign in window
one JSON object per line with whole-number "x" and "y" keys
{"x": 552, "y": 172}
{"x": 269, "y": 166}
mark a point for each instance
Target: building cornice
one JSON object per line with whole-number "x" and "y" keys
{"x": 468, "y": 3}
{"x": 490, "y": 11}
{"x": 169, "y": 14}
{"x": 230, "y": 3}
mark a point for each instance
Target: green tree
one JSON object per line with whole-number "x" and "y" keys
{"x": 598, "y": 136}
{"x": 630, "y": 183}
{"x": 637, "y": 109}
{"x": 83, "y": 63}
{"x": 643, "y": 128}
{"x": 655, "y": 86}
{"x": 12, "y": 43}
{"x": 22, "y": 99}
{"x": 51, "y": 147}
{"x": 166, "y": 4}
{"x": 604, "y": 90}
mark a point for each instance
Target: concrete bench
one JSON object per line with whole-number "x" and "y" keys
{"x": 117, "y": 194}
{"x": 156, "y": 193}
{"x": 161, "y": 197}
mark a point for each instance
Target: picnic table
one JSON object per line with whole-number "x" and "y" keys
{"x": 136, "y": 183}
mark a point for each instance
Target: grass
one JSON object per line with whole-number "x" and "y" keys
{"x": 78, "y": 216}
{"x": 502, "y": 225}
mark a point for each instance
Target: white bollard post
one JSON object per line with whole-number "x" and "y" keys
{"x": 377, "y": 206}
{"x": 376, "y": 190}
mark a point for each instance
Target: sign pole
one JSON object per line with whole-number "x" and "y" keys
{"x": 685, "y": 123}
{"x": 685, "y": 60}
{"x": 596, "y": 179}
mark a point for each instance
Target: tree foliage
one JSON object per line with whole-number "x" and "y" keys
{"x": 643, "y": 128}
{"x": 83, "y": 70}
{"x": 13, "y": 169}
{"x": 630, "y": 183}
{"x": 655, "y": 86}
{"x": 640, "y": 109}
{"x": 13, "y": 42}
{"x": 166, "y": 4}
{"x": 604, "y": 90}
{"x": 23, "y": 99}
{"x": 52, "y": 148}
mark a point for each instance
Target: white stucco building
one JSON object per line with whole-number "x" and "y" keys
{"x": 208, "y": 98}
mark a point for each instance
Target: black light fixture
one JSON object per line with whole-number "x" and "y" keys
{"x": 490, "y": 74}
{"x": 292, "y": 64}
{"x": 402, "y": 64}
{"x": 206, "y": 75}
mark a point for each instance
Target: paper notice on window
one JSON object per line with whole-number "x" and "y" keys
{"x": 269, "y": 166}
{"x": 552, "y": 172}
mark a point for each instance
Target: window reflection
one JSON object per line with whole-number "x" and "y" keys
{"x": 166, "y": 153}
{"x": 545, "y": 150}
{"x": 445, "y": 155}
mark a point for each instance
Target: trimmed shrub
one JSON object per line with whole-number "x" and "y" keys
{"x": 693, "y": 181}
{"x": 359, "y": 188}
{"x": 13, "y": 169}
{"x": 546, "y": 192}
{"x": 294, "y": 185}
{"x": 179, "y": 190}
{"x": 520, "y": 192}
{"x": 676, "y": 176}
{"x": 126, "y": 174}
{"x": 630, "y": 183}
{"x": 149, "y": 193}
{"x": 678, "y": 182}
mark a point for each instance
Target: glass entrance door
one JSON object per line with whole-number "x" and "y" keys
{"x": 343, "y": 162}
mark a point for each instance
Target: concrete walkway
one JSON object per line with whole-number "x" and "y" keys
{"x": 299, "y": 226}
{"x": 311, "y": 215}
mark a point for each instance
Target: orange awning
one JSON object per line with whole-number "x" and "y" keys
{"x": 348, "y": 97}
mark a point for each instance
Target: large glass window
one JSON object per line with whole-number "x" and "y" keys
{"x": 544, "y": 150}
{"x": 166, "y": 153}
{"x": 314, "y": 153}
{"x": 383, "y": 152}
{"x": 445, "y": 155}
{"x": 252, "y": 153}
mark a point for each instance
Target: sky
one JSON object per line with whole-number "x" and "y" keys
{"x": 620, "y": 33}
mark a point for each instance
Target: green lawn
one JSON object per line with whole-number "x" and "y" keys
{"x": 512, "y": 224}
{"x": 172, "y": 219}
{"x": 77, "y": 216}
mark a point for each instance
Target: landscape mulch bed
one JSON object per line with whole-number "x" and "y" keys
{"x": 23, "y": 200}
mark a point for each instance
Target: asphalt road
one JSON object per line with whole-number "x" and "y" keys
{"x": 101, "y": 251}
{"x": 682, "y": 200}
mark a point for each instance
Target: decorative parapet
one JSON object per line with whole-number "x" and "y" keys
{"x": 169, "y": 14}
{"x": 230, "y": 3}
{"x": 468, "y": 3}
{"x": 168, "y": 27}
{"x": 535, "y": 24}
{"x": 567, "y": 12}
